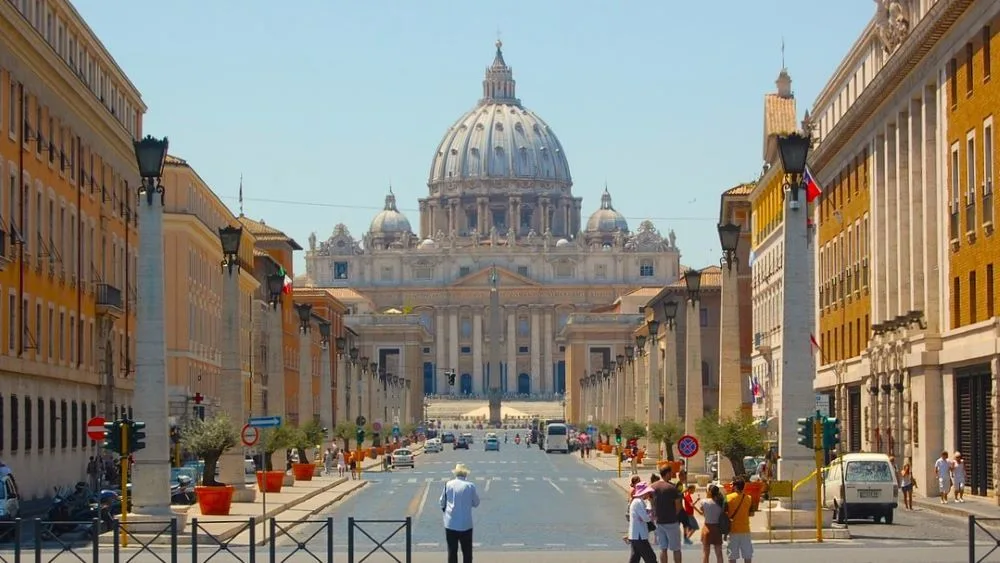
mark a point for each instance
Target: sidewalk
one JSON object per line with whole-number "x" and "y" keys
{"x": 980, "y": 507}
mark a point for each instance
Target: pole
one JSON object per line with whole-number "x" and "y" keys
{"x": 618, "y": 455}
{"x": 818, "y": 451}
{"x": 263, "y": 490}
{"x": 123, "y": 462}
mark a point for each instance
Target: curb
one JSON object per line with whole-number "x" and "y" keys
{"x": 291, "y": 524}
{"x": 948, "y": 510}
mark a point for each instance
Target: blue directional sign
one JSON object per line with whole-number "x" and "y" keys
{"x": 395, "y": 431}
{"x": 265, "y": 421}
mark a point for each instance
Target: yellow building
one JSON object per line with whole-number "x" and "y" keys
{"x": 68, "y": 117}
{"x": 192, "y": 259}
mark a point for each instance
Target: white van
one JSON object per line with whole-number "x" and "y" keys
{"x": 861, "y": 485}
{"x": 556, "y": 438}
{"x": 10, "y": 503}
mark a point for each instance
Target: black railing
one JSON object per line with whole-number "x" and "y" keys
{"x": 975, "y": 523}
{"x": 380, "y": 545}
{"x": 109, "y": 296}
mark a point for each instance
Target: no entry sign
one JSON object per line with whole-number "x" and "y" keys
{"x": 687, "y": 446}
{"x": 249, "y": 435}
{"x": 95, "y": 428}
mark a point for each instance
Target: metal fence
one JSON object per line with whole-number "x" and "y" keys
{"x": 42, "y": 541}
{"x": 976, "y": 523}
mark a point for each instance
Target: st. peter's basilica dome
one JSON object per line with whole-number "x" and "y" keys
{"x": 606, "y": 219}
{"x": 500, "y": 139}
{"x": 390, "y": 221}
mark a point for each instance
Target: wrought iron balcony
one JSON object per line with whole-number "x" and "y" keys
{"x": 109, "y": 300}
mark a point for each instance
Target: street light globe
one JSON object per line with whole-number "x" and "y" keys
{"x": 150, "y": 154}
{"x": 670, "y": 310}
{"x": 729, "y": 237}
{"x": 305, "y": 312}
{"x": 230, "y": 237}
{"x": 692, "y": 278}
{"x": 275, "y": 283}
{"x": 794, "y": 150}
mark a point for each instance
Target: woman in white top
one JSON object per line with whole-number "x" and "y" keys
{"x": 341, "y": 463}
{"x": 711, "y": 535}
{"x": 958, "y": 477}
{"x": 638, "y": 528}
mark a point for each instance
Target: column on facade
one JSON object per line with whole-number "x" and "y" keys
{"x": 931, "y": 214}
{"x": 343, "y": 372}
{"x": 511, "y": 349}
{"x": 544, "y": 203}
{"x": 547, "y": 381}
{"x": 477, "y": 351}
{"x": 423, "y": 219}
{"x": 440, "y": 366}
{"x": 275, "y": 363}
{"x": 671, "y": 397}
{"x": 904, "y": 275}
{"x": 513, "y": 217}
{"x": 653, "y": 377}
{"x": 482, "y": 212}
{"x": 258, "y": 341}
{"x": 634, "y": 385}
{"x": 326, "y": 418}
{"x": 536, "y": 352}
{"x": 453, "y": 347}
{"x": 730, "y": 384}
{"x": 915, "y": 203}
{"x": 891, "y": 224}
{"x": 232, "y": 386}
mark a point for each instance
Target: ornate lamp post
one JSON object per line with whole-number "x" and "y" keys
{"x": 232, "y": 385}
{"x": 672, "y": 393}
{"x": 275, "y": 400}
{"x": 151, "y": 476}
{"x": 730, "y": 380}
{"x": 305, "y": 362}
{"x": 694, "y": 400}
{"x": 325, "y": 377}
{"x": 652, "y": 395}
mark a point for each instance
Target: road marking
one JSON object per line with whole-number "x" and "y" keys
{"x": 529, "y": 478}
{"x": 597, "y": 545}
{"x": 415, "y": 503}
{"x": 555, "y": 545}
{"x": 423, "y": 500}
{"x": 411, "y": 480}
{"x": 428, "y": 544}
{"x": 564, "y": 478}
{"x": 555, "y": 486}
{"x": 512, "y": 545}
{"x": 487, "y": 489}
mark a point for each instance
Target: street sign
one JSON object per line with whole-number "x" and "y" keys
{"x": 265, "y": 421}
{"x": 823, "y": 404}
{"x": 95, "y": 428}
{"x": 687, "y": 446}
{"x": 360, "y": 421}
{"x": 395, "y": 431}
{"x": 249, "y": 435}
{"x": 377, "y": 426}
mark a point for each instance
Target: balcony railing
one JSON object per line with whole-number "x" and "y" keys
{"x": 607, "y": 318}
{"x": 383, "y": 320}
{"x": 109, "y": 299}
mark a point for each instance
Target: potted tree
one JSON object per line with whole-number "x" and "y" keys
{"x": 269, "y": 480}
{"x": 306, "y": 437}
{"x": 735, "y": 438}
{"x": 668, "y": 433}
{"x": 209, "y": 439}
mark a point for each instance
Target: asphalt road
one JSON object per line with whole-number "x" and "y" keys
{"x": 530, "y": 501}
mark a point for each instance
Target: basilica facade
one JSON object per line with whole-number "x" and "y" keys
{"x": 499, "y": 199}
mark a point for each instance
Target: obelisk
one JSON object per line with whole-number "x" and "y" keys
{"x": 494, "y": 390}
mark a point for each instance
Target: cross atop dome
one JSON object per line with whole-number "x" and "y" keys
{"x": 499, "y": 85}
{"x": 606, "y": 199}
{"x": 390, "y": 201}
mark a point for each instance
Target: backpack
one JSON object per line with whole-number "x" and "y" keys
{"x": 726, "y": 519}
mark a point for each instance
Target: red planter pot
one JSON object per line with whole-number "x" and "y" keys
{"x": 214, "y": 501}
{"x": 270, "y": 481}
{"x": 303, "y": 471}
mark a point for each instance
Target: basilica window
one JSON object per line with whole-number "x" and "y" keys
{"x": 601, "y": 271}
{"x": 564, "y": 270}
{"x": 387, "y": 273}
{"x": 525, "y": 218}
{"x": 423, "y": 272}
{"x": 522, "y": 271}
{"x": 646, "y": 268}
{"x": 466, "y": 328}
{"x": 500, "y": 220}
{"x": 463, "y": 271}
{"x": 472, "y": 220}
{"x": 340, "y": 271}
{"x": 523, "y": 328}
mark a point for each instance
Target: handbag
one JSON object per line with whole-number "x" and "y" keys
{"x": 725, "y": 519}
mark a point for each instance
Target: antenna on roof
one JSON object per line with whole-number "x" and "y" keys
{"x": 783, "y": 52}
{"x": 241, "y": 195}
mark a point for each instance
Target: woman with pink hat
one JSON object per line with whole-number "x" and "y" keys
{"x": 640, "y": 521}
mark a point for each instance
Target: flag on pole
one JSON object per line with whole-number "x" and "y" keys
{"x": 287, "y": 287}
{"x": 241, "y": 195}
{"x": 813, "y": 189}
{"x": 814, "y": 345}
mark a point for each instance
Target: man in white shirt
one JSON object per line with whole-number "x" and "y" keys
{"x": 942, "y": 468}
{"x": 458, "y": 499}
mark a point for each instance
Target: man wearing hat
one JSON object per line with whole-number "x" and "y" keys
{"x": 458, "y": 499}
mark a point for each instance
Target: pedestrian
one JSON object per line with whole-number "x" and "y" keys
{"x": 354, "y": 466}
{"x": 942, "y": 469}
{"x": 687, "y": 514}
{"x": 640, "y": 524}
{"x": 328, "y": 462}
{"x": 711, "y": 535}
{"x": 738, "y": 506}
{"x": 341, "y": 463}
{"x": 907, "y": 484}
{"x": 93, "y": 473}
{"x": 457, "y": 500}
{"x": 958, "y": 477}
{"x": 666, "y": 507}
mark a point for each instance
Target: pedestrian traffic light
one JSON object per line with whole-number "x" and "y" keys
{"x": 806, "y": 432}
{"x": 136, "y": 435}
{"x": 360, "y": 436}
{"x": 831, "y": 433}
{"x": 618, "y": 435}
{"x": 113, "y": 437}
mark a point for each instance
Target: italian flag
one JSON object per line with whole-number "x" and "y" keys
{"x": 286, "y": 289}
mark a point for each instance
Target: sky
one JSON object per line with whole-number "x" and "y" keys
{"x": 320, "y": 105}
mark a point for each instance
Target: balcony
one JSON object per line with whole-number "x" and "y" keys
{"x": 6, "y": 252}
{"x": 109, "y": 300}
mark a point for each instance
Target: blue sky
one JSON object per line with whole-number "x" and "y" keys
{"x": 321, "y": 104}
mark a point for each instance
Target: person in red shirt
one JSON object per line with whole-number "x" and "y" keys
{"x": 689, "y": 522}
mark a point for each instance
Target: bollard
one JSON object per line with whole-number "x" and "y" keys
{"x": 350, "y": 540}
{"x": 173, "y": 540}
{"x": 972, "y": 538}
{"x": 409, "y": 539}
{"x": 329, "y": 539}
{"x": 194, "y": 539}
{"x": 271, "y": 546}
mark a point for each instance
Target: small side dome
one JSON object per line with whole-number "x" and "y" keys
{"x": 607, "y": 219}
{"x": 390, "y": 221}
{"x": 427, "y": 244}
{"x": 562, "y": 243}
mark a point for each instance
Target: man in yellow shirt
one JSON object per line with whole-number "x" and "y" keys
{"x": 738, "y": 508}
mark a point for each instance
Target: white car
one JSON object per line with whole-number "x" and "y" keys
{"x": 402, "y": 458}
{"x": 433, "y": 446}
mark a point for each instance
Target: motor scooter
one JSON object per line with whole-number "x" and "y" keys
{"x": 182, "y": 491}
{"x": 69, "y": 512}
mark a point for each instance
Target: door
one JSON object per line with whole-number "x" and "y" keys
{"x": 975, "y": 426}
{"x": 466, "y": 384}
{"x": 523, "y": 384}
{"x": 854, "y": 419}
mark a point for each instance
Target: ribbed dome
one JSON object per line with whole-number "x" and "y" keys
{"x": 606, "y": 219}
{"x": 390, "y": 220}
{"x": 499, "y": 138}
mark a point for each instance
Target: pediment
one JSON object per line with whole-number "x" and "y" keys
{"x": 481, "y": 278}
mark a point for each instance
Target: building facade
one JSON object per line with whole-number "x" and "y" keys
{"x": 68, "y": 116}
{"x": 904, "y": 237}
{"x": 193, "y": 268}
{"x": 499, "y": 194}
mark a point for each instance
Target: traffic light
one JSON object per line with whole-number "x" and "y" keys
{"x": 806, "y": 432}
{"x": 113, "y": 437}
{"x": 360, "y": 436}
{"x": 451, "y": 378}
{"x": 831, "y": 433}
{"x": 136, "y": 435}
{"x": 618, "y": 435}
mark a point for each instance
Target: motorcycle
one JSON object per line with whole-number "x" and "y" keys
{"x": 182, "y": 491}
{"x": 72, "y": 510}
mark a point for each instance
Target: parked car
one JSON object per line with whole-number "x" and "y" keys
{"x": 433, "y": 446}
{"x": 10, "y": 504}
{"x": 447, "y": 438}
{"x": 460, "y": 444}
{"x": 492, "y": 444}
{"x": 402, "y": 458}
{"x": 468, "y": 437}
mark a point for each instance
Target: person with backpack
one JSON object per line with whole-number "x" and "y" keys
{"x": 713, "y": 509}
{"x": 737, "y": 511}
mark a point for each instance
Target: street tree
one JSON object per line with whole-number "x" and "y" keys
{"x": 667, "y": 432}
{"x": 345, "y": 432}
{"x": 632, "y": 430}
{"x": 735, "y": 437}
{"x": 272, "y": 440}
{"x": 209, "y": 439}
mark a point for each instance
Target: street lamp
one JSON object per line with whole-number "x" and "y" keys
{"x": 341, "y": 344}
{"x": 305, "y": 315}
{"x": 275, "y": 285}
{"x": 152, "y": 465}
{"x": 620, "y": 362}
{"x": 654, "y": 327}
{"x": 640, "y": 344}
{"x": 230, "y": 237}
{"x": 630, "y": 352}
{"x": 794, "y": 151}
{"x": 692, "y": 278}
{"x": 324, "y": 336}
{"x": 729, "y": 237}
{"x": 670, "y": 312}
{"x": 353, "y": 354}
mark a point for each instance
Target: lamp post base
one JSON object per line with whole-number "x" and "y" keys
{"x": 244, "y": 493}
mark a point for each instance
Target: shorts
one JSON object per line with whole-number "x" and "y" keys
{"x": 739, "y": 547}
{"x": 907, "y": 488}
{"x": 668, "y": 536}
{"x": 944, "y": 484}
{"x": 959, "y": 485}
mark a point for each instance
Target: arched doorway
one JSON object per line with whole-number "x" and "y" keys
{"x": 466, "y": 388}
{"x": 524, "y": 384}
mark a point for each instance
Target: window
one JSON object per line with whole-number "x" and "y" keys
{"x": 11, "y": 322}
{"x": 989, "y": 291}
{"x": 62, "y": 336}
{"x": 968, "y": 68}
{"x": 970, "y": 165}
{"x": 704, "y": 316}
{"x": 956, "y": 303}
{"x": 564, "y": 270}
{"x": 41, "y": 423}
{"x": 386, "y": 273}
{"x": 11, "y": 107}
{"x": 523, "y": 327}
{"x": 466, "y": 328}
{"x": 986, "y": 53}
{"x": 973, "y": 297}
{"x": 500, "y": 220}
{"x": 955, "y": 190}
{"x": 423, "y": 272}
{"x": 15, "y": 423}
{"x": 466, "y": 349}
{"x": 340, "y": 270}
{"x": 63, "y": 423}
{"x": 52, "y": 423}
{"x": 28, "y": 420}
{"x": 522, "y": 271}
{"x": 522, "y": 349}
{"x": 706, "y": 374}
{"x": 953, "y": 82}
{"x": 463, "y": 271}
{"x": 50, "y": 332}
{"x": 76, "y": 416}
{"x": 600, "y": 271}
{"x": 72, "y": 339}
{"x": 988, "y": 172}
{"x": 646, "y": 268}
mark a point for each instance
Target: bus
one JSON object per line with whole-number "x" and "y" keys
{"x": 556, "y": 438}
